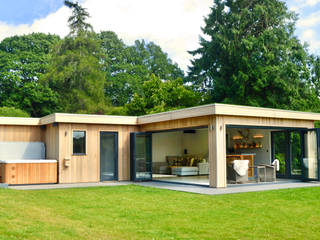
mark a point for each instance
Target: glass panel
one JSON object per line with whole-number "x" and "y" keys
{"x": 296, "y": 166}
{"x": 310, "y": 158}
{"x": 279, "y": 150}
{"x": 143, "y": 157}
{"x": 79, "y": 142}
{"x": 107, "y": 156}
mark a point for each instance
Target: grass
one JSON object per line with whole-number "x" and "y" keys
{"x": 134, "y": 212}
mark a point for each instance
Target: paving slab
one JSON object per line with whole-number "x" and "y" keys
{"x": 3, "y": 185}
{"x": 68, "y": 185}
{"x": 228, "y": 190}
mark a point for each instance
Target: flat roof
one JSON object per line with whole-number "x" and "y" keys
{"x": 229, "y": 110}
{"x": 19, "y": 121}
{"x": 203, "y": 110}
{"x": 88, "y": 118}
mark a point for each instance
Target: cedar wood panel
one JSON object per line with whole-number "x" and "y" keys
{"x": 86, "y": 168}
{"x": 28, "y": 173}
{"x": 13, "y": 133}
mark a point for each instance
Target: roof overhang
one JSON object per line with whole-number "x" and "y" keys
{"x": 19, "y": 121}
{"x": 88, "y": 119}
{"x": 228, "y": 110}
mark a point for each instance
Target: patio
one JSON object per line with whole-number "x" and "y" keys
{"x": 233, "y": 188}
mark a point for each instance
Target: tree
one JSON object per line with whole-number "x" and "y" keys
{"x": 12, "y": 112}
{"x": 23, "y": 60}
{"x": 250, "y": 56}
{"x": 75, "y": 71}
{"x": 128, "y": 67}
{"x": 160, "y": 96}
{"x": 77, "y": 21}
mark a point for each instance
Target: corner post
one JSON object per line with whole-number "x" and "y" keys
{"x": 217, "y": 153}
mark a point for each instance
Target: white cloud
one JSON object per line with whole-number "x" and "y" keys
{"x": 310, "y": 21}
{"x": 310, "y": 36}
{"x": 174, "y": 25}
{"x": 312, "y": 3}
{"x": 306, "y": 3}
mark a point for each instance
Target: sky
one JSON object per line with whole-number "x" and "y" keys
{"x": 172, "y": 24}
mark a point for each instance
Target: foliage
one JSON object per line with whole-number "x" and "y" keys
{"x": 77, "y": 20}
{"x": 23, "y": 60}
{"x": 75, "y": 72}
{"x": 127, "y": 67}
{"x": 12, "y": 112}
{"x": 160, "y": 96}
{"x": 250, "y": 56}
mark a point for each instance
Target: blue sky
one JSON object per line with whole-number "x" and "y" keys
{"x": 177, "y": 33}
{"x": 16, "y": 12}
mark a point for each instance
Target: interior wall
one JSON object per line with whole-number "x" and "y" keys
{"x": 174, "y": 143}
{"x": 196, "y": 143}
{"x": 263, "y": 155}
{"x": 166, "y": 144}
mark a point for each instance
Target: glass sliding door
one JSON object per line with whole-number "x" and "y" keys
{"x": 287, "y": 147}
{"x": 108, "y": 156}
{"x": 311, "y": 155}
{"x": 279, "y": 151}
{"x": 141, "y": 156}
{"x": 295, "y": 153}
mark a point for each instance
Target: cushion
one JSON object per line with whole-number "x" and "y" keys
{"x": 241, "y": 167}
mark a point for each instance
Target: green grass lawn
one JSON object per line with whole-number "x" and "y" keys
{"x": 134, "y": 212}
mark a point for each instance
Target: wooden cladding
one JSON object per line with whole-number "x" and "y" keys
{"x": 11, "y": 133}
{"x": 176, "y": 124}
{"x": 86, "y": 168}
{"x": 28, "y": 173}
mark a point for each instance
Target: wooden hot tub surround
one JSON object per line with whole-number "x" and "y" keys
{"x": 28, "y": 171}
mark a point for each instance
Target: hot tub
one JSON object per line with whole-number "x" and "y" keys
{"x": 28, "y": 171}
{"x": 26, "y": 163}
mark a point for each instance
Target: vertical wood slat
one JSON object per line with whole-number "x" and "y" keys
{"x": 86, "y": 168}
{"x": 217, "y": 152}
{"x": 29, "y": 173}
{"x": 21, "y": 133}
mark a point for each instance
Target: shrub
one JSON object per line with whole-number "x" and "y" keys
{"x": 12, "y": 112}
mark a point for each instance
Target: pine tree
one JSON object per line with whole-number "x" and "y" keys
{"x": 75, "y": 71}
{"x": 250, "y": 56}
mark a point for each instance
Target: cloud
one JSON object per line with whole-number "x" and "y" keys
{"x": 174, "y": 25}
{"x": 310, "y": 36}
{"x": 311, "y": 3}
{"x": 306, "y": 3}
{"x": 309, "y": 21}
{"x": 54, "y": 23}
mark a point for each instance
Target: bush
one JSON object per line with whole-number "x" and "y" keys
{"x": 12, "y": 112}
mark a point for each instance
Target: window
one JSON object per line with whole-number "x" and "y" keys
{"x": 79, "y": 142}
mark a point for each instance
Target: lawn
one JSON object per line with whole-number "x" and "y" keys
{"x": 134, "y": 212}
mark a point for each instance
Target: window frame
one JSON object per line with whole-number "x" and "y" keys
{"x": 85, "y": 142}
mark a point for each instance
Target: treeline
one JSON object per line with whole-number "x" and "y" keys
{"x": 250, "y": 56}
{"x": 42, "y": 74}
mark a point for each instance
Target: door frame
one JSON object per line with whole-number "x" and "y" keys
{"x": 133, "y": 171}
{"x": 116, "y": 156}
{"x": 288, "y": 153}
{"x": 317, "y": 130}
